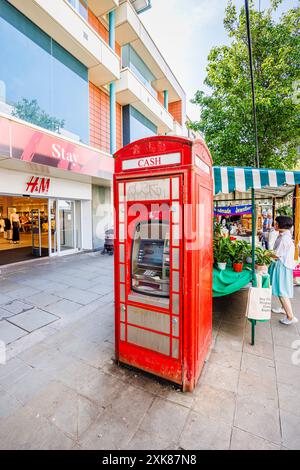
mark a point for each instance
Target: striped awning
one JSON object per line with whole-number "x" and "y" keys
{"x": 229, "y": 179}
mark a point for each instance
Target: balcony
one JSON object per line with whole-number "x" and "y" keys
{"x": 130, "y": 29}
{"x": 130, "y": 90}
{"x": 101, "y": 7}
{"x": 66, "y": 26}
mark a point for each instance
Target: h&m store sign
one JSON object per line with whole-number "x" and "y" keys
{"x": 37, "y": 185}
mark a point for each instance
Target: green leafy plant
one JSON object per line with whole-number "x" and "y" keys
{"x": 217, "y": 230}
{"x": 239, "y": 250}
{"x": 285, "y": 210}
{"x": 30, "y": 111}
{"x": 221, "y": 250}
{"x": 263, "y": 257}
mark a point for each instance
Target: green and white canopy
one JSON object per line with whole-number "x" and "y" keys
{"x": 230, "y": 179}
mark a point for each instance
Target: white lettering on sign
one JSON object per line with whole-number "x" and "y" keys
{"x": 59, "y": 152}
{"x": 150, "y": 162}
{"x": 38, "y": 184}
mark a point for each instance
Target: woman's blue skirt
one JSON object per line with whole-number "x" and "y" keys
{"x": 281, "y": 280}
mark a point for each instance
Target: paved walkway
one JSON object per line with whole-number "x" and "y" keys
{"x": 60, "y": 388}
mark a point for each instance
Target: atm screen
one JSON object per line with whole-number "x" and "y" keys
{"x": 150, "y": 263}
{"x": 151, "y": 252}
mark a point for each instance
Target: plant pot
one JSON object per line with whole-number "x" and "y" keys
{"x": 261, "y": 268}
{"x": 222, "y": 266}
{"x": 238, "y": 267}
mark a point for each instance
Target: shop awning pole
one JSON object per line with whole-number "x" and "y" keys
{"x": 253, "y": 234}
{"x": 254, "y": 283}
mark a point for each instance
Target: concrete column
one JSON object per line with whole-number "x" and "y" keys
{"x": 111, "y": 29}
{"x": 166, "y": 99}
{"x": 112, "y": 87}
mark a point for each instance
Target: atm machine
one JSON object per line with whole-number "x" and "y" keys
{"x": 163, "y": 199}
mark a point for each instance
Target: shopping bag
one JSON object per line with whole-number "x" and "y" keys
{"x": 259, "y": 301}
{"x": 297, "y": 271}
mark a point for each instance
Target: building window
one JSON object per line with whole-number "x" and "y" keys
{"x": 133, "y": 61}
{"x": 40, "y": 81}
{"x": 136, "y": 126}
{"x": 81, "y": 6}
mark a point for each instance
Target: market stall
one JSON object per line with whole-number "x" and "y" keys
{"x": 239, "y": 189}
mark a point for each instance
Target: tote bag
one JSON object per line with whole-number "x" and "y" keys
{"x": 259, "y": 301}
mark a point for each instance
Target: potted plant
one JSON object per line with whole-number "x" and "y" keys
{"x": 221, "y": 252}
{"x": 263, "y": 259}
{"x": 239, "y": 250}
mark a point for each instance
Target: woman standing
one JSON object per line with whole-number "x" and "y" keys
{"x": 281, "y": 272}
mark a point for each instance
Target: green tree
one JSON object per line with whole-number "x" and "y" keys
{"x": 30, "y": 111}
{"x": 226, "y": 119}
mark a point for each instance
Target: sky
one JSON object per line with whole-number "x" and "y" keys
{"x": 185, "y": 31}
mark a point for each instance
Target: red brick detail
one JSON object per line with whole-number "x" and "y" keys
{"x": 175, "y": 109}
{"x": 160, "y": 97}
{"x": 100, "y": 120}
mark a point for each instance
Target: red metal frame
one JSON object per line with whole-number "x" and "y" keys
{"x": 195, "y": 268}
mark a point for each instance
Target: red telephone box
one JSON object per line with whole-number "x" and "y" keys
{"x": 163, "y": 199}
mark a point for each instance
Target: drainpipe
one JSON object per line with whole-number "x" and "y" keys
{"x": 112, "y": 86}
{"x": 166, "y": 99}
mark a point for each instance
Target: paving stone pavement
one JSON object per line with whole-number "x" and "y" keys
{"x": 60, "y": 388}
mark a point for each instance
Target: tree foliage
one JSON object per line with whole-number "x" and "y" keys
{"x": 226, "y": 118}
{"x": 30, "y": 111}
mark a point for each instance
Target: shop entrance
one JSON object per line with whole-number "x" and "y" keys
{"x": 36, "y": 227}
{"x": 23, "y": 228}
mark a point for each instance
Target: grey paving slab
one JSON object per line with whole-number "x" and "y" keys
{"x": 26, "y": 430}
{"x": 117, "y": 425}
{"x": 168, "y": 417}
{"x": 4, "y": 299}
{"x": 101, "y": 288}
{"x": 12, "y": 371}
{"x": 143, "y": 440}
{"x": 8, "y": 404}
{"x": 16, "y": 306}
{"x": 288, "y": 374}
{"x": 258, "y": 389}
{"x": 70, "y": 412}
{"x": 10, "y": 332}
{"x": 226, "y": 358}
{"x": 290, "y": 430}
{"x": 42, "y": 299}
{"x": 21, "y": 293}
{"x": 225, "y": 378}
{"x": 29, "y": 385}
{"x": 33, "y": 319}
{"x": 261, "y": 348}
{"x": 258, "y": 419}
{"x": 63, "y": 307}
{"x": 289, "y": 398}
{"x": 6, "y": 285}
{"x": 286, "y": 354}
{"x": 215, "y": 403}
{"x": 259, "y": 366}
{"x": 205, "y": 434}
{"x": 78, "y": 295}
{"x": 242, "y": 440}
{"x": 5, "y": 314}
